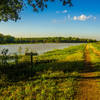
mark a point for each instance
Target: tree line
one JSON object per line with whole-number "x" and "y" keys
{"x": 10, "y": 39}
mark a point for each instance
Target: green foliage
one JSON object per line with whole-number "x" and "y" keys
{"x": 6, "y": 39}
{"x": 54, "y": 40}
{"x": 4, "y": 56}
{"x": 40, "y": 5}
{"x": 10, "y": 9}
{"x": 11, "y": 39}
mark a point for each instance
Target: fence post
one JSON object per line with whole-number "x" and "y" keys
{"x": 31, "y": 54}
{"x": 16, "y": 59}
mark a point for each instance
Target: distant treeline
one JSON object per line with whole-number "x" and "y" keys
{"x": 10, "y": 39}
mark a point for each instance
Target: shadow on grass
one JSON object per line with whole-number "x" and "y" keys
{"x": 22, "y": 71}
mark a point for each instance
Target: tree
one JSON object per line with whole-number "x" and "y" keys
{"x": 10, "y": 9}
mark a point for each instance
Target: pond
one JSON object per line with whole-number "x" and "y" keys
{"x": 39, "y": 48}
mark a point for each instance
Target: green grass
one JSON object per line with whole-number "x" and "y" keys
{"x": 44, "y": 81}
{"x": 95, "y": 60}
{"x": 96, "y": 45}
{"x": 41, "y": 89}
{"x": 61, "y": 54}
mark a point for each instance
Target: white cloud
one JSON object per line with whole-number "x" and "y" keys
{"x": 84, "y": 17}
{"x": 81, "y": 18}
{"x": 60, "y": 20}
{"x": 74, "y": 18}
{"x": 63, "y": 12}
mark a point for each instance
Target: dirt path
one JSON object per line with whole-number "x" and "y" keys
{"x": 88, "y": 87}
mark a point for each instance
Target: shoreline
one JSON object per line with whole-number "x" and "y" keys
{"x": 43, "y": 43}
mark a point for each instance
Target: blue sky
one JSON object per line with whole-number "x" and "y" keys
{"x": 81, "y": 20}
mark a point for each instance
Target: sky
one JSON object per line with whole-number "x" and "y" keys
{"x": 81, "y": 20}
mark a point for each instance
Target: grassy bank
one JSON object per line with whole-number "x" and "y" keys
{"x": 54, "y": 80}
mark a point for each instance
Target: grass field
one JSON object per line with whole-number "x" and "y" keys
{"x": 66, "y": 77}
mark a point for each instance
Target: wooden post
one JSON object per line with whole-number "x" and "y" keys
{"x": 31, "y": 56}
{"x": 16, "y": 59}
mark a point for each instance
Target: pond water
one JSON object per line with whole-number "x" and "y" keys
{"x": 39, "y": 48}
